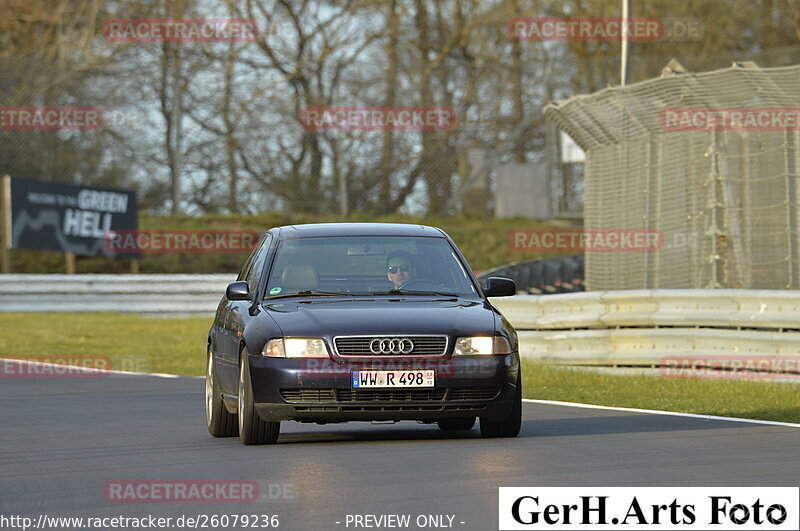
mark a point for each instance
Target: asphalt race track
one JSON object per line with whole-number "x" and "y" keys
{"x": 63, "y": 439}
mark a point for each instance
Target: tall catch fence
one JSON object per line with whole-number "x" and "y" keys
{"x": 710, "y": 160}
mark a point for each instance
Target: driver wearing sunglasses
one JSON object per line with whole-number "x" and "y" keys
{"x": 400, "y": 268}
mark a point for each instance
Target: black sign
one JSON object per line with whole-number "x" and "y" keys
{"x": 68, "y": 218}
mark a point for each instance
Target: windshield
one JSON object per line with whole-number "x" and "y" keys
{"x": 360, "y": 266}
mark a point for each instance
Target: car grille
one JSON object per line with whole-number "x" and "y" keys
{"x": 474, "y": 393}
{"x": 390, "y": 395}
{"x": 360, "y": 345}
{"x": 308, "y": 395}
{"x": 456, "y": 394}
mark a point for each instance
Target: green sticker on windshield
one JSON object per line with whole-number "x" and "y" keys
{"x": 274, "y": 291}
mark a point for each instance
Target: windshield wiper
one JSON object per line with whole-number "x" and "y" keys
{"x": 415, "y": 292}
{"x": 310, "y": 293}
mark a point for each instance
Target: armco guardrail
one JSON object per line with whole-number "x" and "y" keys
{"x": 608, "y": 328}
{"x": 159, "y": 294}
{"x": 642, "y": 327}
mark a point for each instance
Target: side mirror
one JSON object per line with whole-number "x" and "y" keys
{"x": 500, "y": 287}
{"x": 238, "y": 291}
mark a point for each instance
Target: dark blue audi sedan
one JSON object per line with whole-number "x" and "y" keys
{"x": 338, "y": 322}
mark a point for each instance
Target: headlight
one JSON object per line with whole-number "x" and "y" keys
{"x": 296, "y": 347}
{"x": 482, "y": 345}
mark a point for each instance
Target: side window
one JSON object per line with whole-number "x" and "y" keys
{"x": 257, "y": 264}
{"x": 249, "y": 262}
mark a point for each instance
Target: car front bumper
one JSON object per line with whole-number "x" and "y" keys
{"x": 319, "y": 390}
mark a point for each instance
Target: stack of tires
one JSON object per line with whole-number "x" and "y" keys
{"x": 562, "y": 274}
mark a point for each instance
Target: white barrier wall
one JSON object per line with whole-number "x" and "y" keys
{"x": 167, "y": 294}
{"x": 643, "y": 327}
{"x": 597, "y": 309}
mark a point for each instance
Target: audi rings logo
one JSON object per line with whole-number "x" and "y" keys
{"x": 391, "y": 346}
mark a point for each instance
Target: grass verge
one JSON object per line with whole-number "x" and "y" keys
{"x": 725, "y": 398}
{"x": 177, "y": 346}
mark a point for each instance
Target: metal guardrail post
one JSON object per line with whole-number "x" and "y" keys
{"x": 69, "y": 258}
{"x": 5, "y": 224}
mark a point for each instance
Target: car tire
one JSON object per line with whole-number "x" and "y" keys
{"x": 220, "y": 422}
{"x": 252, "y": 429}
{"x": 509, "y": 427}
{"x": 457, "y": 424}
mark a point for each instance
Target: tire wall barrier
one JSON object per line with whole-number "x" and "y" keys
{"x": 549, "y": 276}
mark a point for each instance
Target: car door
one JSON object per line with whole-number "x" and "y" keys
{"x": 238, "y": 312}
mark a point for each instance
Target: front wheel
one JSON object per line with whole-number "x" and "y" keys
{"x": 219, "y": 421}
{"x": 509, "y": 427}
{"x": 252, "y": 429}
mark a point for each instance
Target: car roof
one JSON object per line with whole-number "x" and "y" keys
{"x": 316, "y": 230}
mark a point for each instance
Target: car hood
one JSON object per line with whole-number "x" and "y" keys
{"x": 408, "y": 315}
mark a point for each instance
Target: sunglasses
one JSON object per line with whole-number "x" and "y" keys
{"x": 403, "y": 268}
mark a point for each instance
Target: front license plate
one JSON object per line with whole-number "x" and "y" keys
{"x": 390, "y": 379}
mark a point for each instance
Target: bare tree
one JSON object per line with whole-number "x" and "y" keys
{"x": 794, "y": 5}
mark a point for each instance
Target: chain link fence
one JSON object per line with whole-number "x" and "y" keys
{"x": 710, "y": 160}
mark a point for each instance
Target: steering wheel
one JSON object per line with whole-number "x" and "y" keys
{"x": 423, "y": 282}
